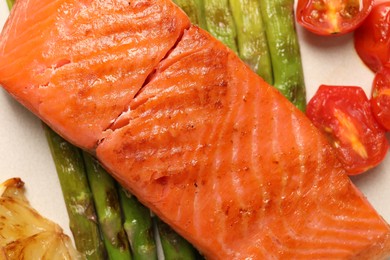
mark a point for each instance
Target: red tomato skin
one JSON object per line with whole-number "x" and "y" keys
{"x": 344, "y": 114}
{"x": 332, "y": 17}
{"x": 380, "y": 96}
{"x": 372, "y": 38}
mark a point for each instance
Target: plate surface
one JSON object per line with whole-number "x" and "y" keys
{"x": 24, "y": 151}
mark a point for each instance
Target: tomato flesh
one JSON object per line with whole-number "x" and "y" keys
{"x": 344, "y": 114}
{"x": 372, "y": 38}
{"x": 380, "y": 98}
{"x": 332, "y": 17}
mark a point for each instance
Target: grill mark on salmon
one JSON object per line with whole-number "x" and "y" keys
{"x": 211, "y": 148}
{"x": 205, "y": 183}
{"x": 219, "y": 162}
{"x": 300, "y": 145}
{"x": 258, "y": 172}
{"x": 237, "y": 154}
{"x": 282, "y": 169}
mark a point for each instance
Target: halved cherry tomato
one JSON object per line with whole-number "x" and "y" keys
{"x": 380, "y": 99}
{"x": 344, "y": 114}
{"x": 372, "y": 38}
{"x": 332, "y": 17}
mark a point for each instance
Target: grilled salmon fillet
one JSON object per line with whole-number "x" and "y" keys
{"x": 178, "y": 119}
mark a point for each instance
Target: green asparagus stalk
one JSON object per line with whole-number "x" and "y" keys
{"x": 10, "y": 3}
{"x": 251, "y": 37}
{"x": 194, "y": 9}
{"x": 220, "y": 23}
{"x": 108, "y": 209}
{"x": 138, "y": 226}
{"x": 278, "y": 17}
{"x": 77, "y": 195}
{"x": 174, "y": 246}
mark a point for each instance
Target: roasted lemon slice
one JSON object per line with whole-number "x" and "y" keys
{"x": 24, "y": 233}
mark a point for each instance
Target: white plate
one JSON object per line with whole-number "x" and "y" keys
{"x": 24, "y": 151}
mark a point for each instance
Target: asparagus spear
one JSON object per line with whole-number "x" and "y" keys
{"x": 278, "y": 17}
{"x": 77, "y": 194}
{"x": 138, "y": 226}
{"x": 174, "y": 246}
{"x": 194, "y": 9}
{"x": 219, "y": 21}
{"x": 251, "y": 37}
{"x": 10, "y": 3}
{"x": 108, "y": 209}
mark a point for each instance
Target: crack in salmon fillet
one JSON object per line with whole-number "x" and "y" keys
{"x": 179, "y": 120}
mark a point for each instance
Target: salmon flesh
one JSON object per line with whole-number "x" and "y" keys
{"x": 180, "y": 121}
